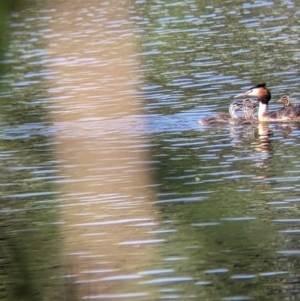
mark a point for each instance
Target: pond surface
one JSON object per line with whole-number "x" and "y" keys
{"x": 101, "y": 149}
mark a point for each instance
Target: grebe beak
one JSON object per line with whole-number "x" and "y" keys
{"x": 242, "y": 94}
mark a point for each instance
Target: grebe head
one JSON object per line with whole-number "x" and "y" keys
{"x": 249, "y": 103}
{"x": 235, "y": 106}
{"x": 285, "y": 100}
{"x": 259, "y": 91}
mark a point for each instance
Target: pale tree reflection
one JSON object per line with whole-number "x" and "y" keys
{"x": 99, "y": 141}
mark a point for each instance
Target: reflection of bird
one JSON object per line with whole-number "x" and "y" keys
{"x": 223, "y": 118}
{"x": 285, "y": 129}
{"x": 286, "y": 101}
{"x": 263, "y": 94}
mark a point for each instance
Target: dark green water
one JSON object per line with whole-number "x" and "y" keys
{"x": 31, "y": 245}
{"x": 224, "y": 214}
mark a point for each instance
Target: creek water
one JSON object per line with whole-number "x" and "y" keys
{"x": 101, "y": 145}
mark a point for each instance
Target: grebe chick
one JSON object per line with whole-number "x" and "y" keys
{"x": 249, "y": 120}
{"x": 248, "y": 105}
{"x": 222, "y": 118}
{"x": 248, "y": 109}
{"x": 286, "y": 101}
{"x": 263, "y": 94}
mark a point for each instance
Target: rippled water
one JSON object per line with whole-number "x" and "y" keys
{"x": 100, "y": 137}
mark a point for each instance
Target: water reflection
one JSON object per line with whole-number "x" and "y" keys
{"x": 108, "y": 219}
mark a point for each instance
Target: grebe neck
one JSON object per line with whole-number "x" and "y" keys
{"x": 264, "y": 97}
{"x": 262, "y": 111}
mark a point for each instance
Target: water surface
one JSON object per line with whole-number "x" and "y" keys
{"x": 101, "y": 111}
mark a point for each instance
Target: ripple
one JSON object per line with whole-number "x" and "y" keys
{"x": 243, "y": 277}
{"x": 176, "y": 258}
{"x": 141, "y": 242}
{"x": 211, "y": 224}
{"x": 32, "y": 194}
{"x": 295, "y": 220}
{"x": 156, "y": 272}
{"x": 277, "y": 203}
{"x": 216, "y": 271}
{"x": 237, "y": 298}
{"x": 284, "y": 188}
{"x": 185, "y": 199}
{"x": 237, "y": 219}
{"x": 98, "y": 271}
{"x": 290, "y": 231}
{"x": 163, "y": 231}
{"x": 289, "y": 252}
{"x": 115, "y": 296}
{"x": 293, "y": 200}
{"x": 120, "y": 277}
{"x": 270, "y": 274}
{"x": 203, "y": 283}
{"x": 167, "y": 280}
{"x": 115, "y": 222}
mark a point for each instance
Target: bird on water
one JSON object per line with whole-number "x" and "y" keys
{"x": 262, "y": 93}
{"x": 223, "y": 118}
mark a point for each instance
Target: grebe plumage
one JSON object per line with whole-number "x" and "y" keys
{"x": 223, "y": 118}
{"x": 263, "y": 94}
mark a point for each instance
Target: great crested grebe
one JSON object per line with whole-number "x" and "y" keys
{"x": 263, "y": 94}
{"x": 286, "y": 101}
{"x": 223, "y": 118}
